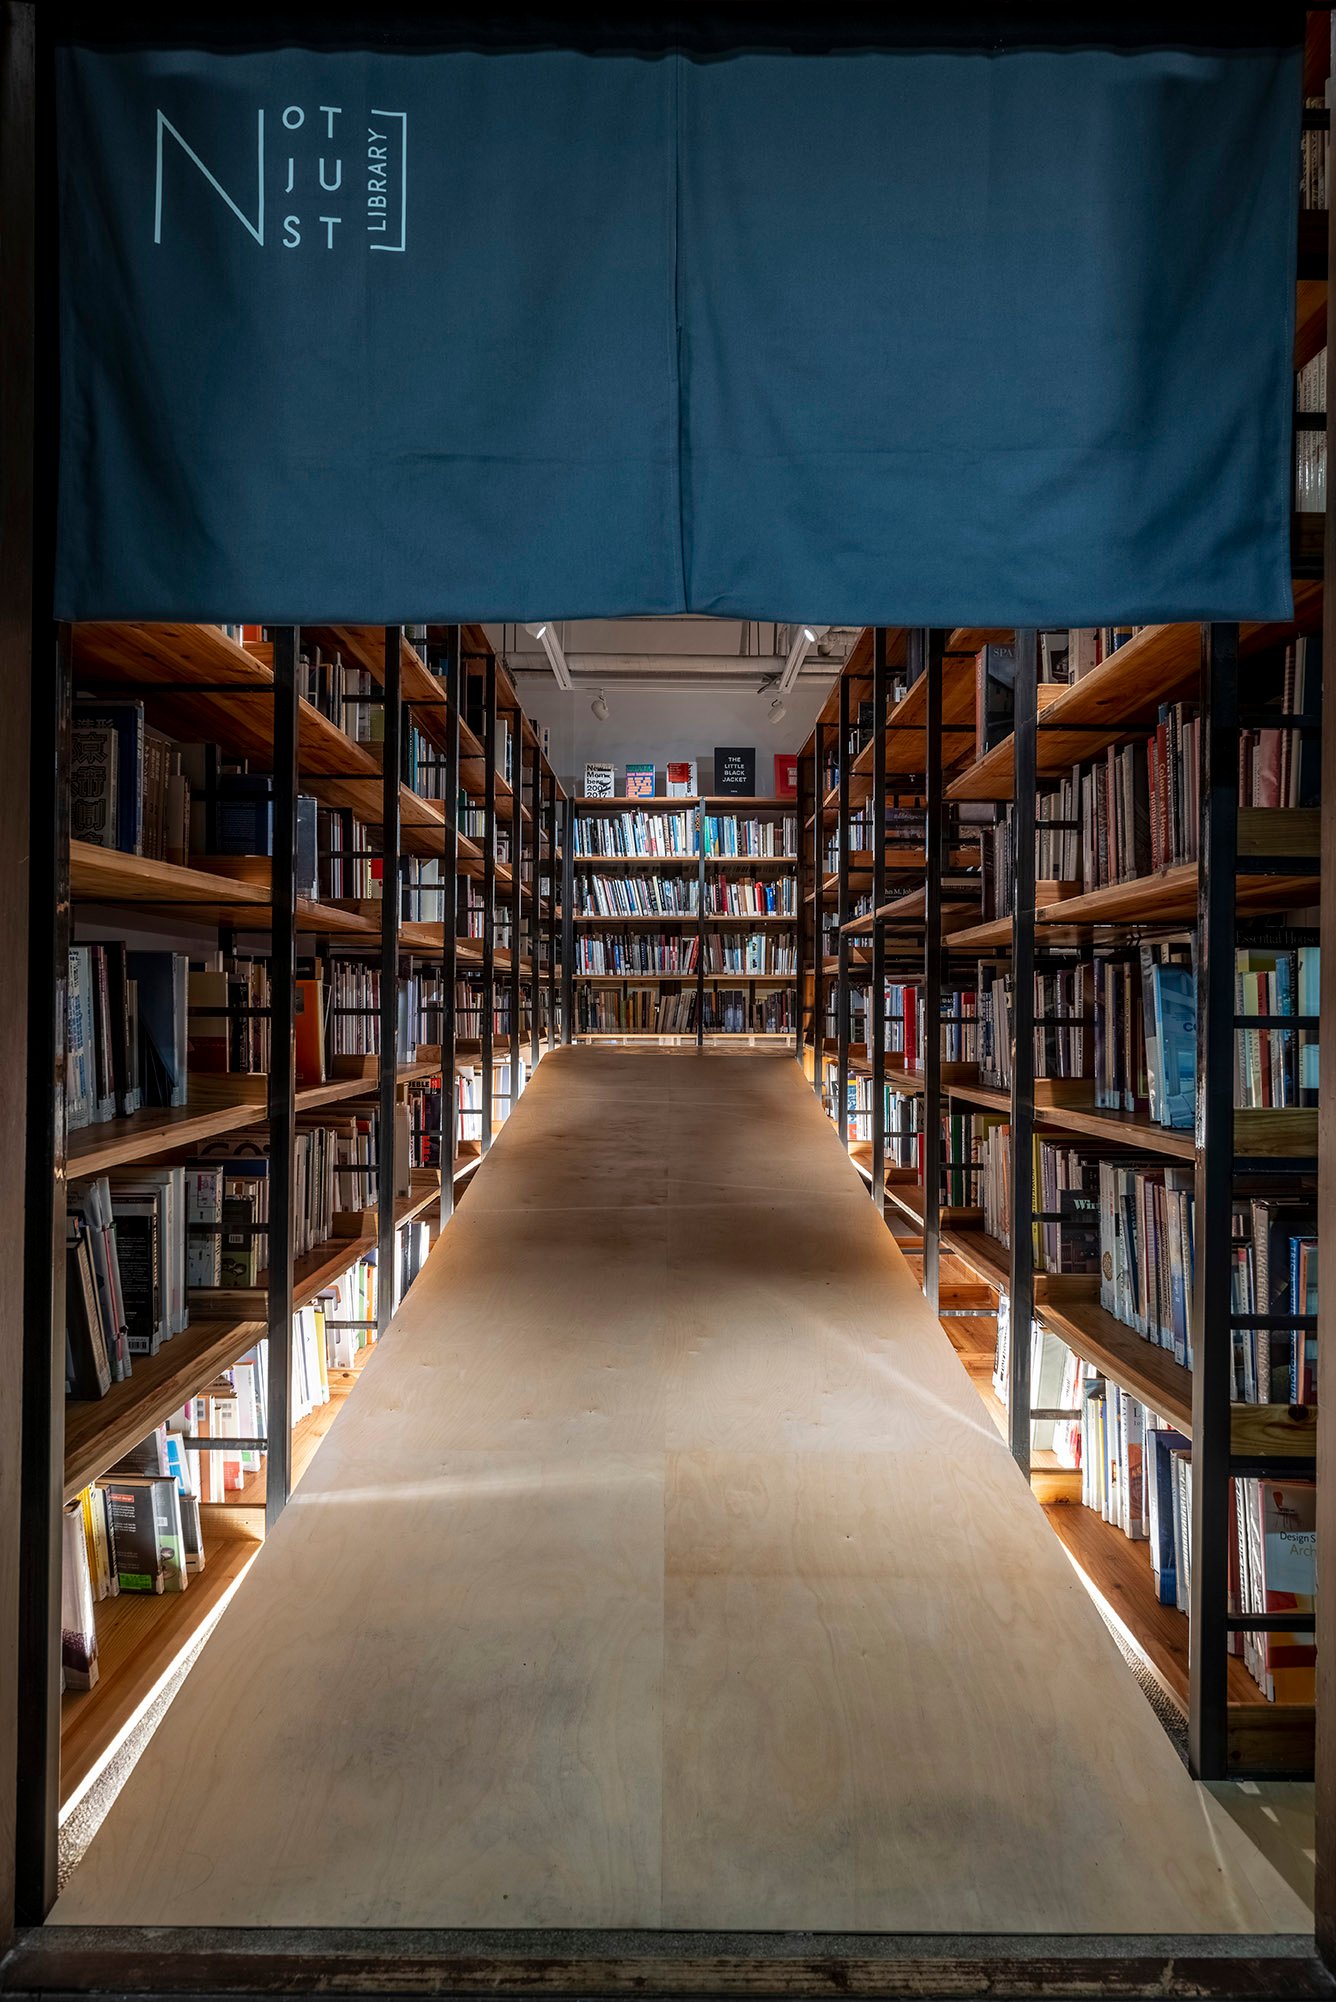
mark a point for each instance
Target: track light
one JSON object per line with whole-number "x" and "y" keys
{"x": 777, "y": 710}
{"x": 551, "y": 646}
{"x": 599, "y": 706}
{"x": 804, "y": 637}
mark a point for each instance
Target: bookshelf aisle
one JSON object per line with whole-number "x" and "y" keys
{"x": 314, "y": 955}
{"x": 682, "y": 920}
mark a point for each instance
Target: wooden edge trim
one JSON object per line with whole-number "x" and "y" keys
{"x": 127, "y": 1962}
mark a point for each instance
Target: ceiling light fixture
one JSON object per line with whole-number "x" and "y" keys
{"x": 804, "y": 637}
{"x": 777, "y": 710}
{"x": 599, "y": 706}
{"x": 551, "y": 646}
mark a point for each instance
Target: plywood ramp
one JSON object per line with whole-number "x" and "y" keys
{"x": 665, "y": 1571}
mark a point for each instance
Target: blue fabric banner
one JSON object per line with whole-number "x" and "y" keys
{"x": 918, "y": 337}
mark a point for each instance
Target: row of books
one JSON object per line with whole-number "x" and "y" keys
{"x": 634, "y": 896}
{"x": 733, "y": 896}
{"x": 140, "y": 1239}
{"x": 1310, "y": 447}
{"x": 638, "y": 833}
{"x": 900, "y": 1120}
{"x": 125, "y": 1032}
{"x": 129, "y": 787}
{"x": 751, "y": 952}
{"x": 734, "y": 1011}
{"x": 469, "y": 1093}
{"x": 1314, "y": 159}
{"x": 637, "y": 952}
{"x": 754, "y": 834}
{"x": 1136, "y": 1473}
{"x": 472, "y": 822}
{"x": 1062, "y": 1005}
{"x": 634, "y": 1011}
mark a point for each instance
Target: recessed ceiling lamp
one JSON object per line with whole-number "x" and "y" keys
{"x": 551, "y": 646}
{"x": 599, "y": 706}
{"x": 806, "y": 636}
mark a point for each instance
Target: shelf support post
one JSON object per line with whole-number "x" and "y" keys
{"x": 1325, "y": 1758}
{"x": 932, "y": 644}
{"x": 1022, "y": 1048}
{"x": 535, "y": 925}
{"x": 553, "y": 908}
{"x": 700, "y": 924}
{"x": 282, "y": 1096}
{"x": 567, "y": 918}
{"x": 42, "y": 1480}
{"x": 842, "y": 998}
{"x": 818, "y": 861}
{"x": 488, "y": 898}
{"x": 449, "y": 1117}
{"x": 1208, "y": 1659}
{"x": 876, "y": 1004}
{"x": 391, "y": 896}
{"x": 516, "y": 981}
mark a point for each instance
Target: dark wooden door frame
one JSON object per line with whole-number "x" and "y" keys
{"x": 60, "y": 1961}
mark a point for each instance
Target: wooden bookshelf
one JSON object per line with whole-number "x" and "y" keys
{"x": 1273, "y": 863}
{"x": 199, "y": 684}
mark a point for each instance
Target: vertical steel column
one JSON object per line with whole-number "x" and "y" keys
{"x": 931, "y": 645}
{"x": 799, "y": 934}
{"x": 1022, "y": 1047}
{"x": 842, "y": 910}
{"x": 449, "y": 1117}
{"x": 1325, "y": 1755}
{"x": 488, "y": 893}
{"x": 516, "y": 982}
{"x": 567, "y": 919}
{"x": 535, "y": 908}
{"x": 876, "y": 1006}
{"x": 282, "y": 1102}
{"x": 700, "y": 925}
{"x": 43, "y": 1388}
{"x": 391, "y": 897}
{"x": 818, "y": 911}
{"x": 1208, "y": 1660}
{"x": 553, "y": 909}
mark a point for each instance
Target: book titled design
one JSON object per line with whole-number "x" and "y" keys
{"x": 735, "y": 771}
{"x": 640, "y": 781}
{"x": 600, "y": 782}
{"x": 681, "y": 778}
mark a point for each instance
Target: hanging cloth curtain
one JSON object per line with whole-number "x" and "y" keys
{"x": 683, "y": 315}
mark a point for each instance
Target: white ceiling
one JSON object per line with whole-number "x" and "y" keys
{"x": 681, "y": 651}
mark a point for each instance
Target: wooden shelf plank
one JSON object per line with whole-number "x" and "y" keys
{"x": 220, "y": 1102}
{"x": 317, "y": 1267}
{"x": 98, "y": 1431}
{"x": 140, "y": 1636}
{"x": 1120, "y": 696}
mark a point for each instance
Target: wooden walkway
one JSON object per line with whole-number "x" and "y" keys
{"x": 665, "y": 1571}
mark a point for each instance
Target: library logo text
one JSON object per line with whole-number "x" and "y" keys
{"x": 324, "y": 179}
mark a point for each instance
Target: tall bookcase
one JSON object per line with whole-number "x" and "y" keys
{"x": 1254, "y": 866}
{"x": 683, "y": 920}
{"x": 447, "y": 809}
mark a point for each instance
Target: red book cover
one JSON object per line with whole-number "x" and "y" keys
{"x": 786, "y": 775}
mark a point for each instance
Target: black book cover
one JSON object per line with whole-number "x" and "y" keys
{"x": 137, "y": 1256}
{"x": 86, "y": 1348}
{"x": 735, "y": 772}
